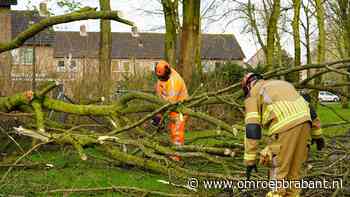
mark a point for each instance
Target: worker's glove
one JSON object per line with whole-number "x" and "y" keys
{"x": 250, "y": 169}
{"x": 156, "y": 120}
{"x": 320, "y": 143}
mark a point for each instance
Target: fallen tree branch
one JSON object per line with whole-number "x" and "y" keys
{"x": 117, "y": 189}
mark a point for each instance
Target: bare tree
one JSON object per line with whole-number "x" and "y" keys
{"x": 189, "y": 38}
{"x": 296, "y": 33}
{"x": 172, "y": 27}
{"x": 105, "y": 75}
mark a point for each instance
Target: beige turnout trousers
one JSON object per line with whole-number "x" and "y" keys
{"x": 289, "y": 150}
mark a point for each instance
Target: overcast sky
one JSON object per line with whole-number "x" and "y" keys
{"x": 131, "y": 10}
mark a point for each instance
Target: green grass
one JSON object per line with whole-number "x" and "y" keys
{"x": 327, "y": 116}
{"x": 71, "y": 172}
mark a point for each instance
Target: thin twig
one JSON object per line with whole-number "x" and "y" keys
{"x": 20, "y": 158}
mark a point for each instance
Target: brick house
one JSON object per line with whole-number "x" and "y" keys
{"x": 68, "y": 56}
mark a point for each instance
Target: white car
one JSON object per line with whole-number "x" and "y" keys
{"x": 327, "y": 96}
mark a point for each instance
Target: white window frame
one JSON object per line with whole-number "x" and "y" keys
{"x": 121, "y": 66}
{"x": 19, "y": 56}
{"x": 61, "y": 68}
{"x": 75, "y": 68}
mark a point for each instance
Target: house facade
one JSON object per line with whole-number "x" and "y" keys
{"x": 72, "y": 56}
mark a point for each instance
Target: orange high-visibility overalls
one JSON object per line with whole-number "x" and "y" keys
{"x": 174, "y": 90}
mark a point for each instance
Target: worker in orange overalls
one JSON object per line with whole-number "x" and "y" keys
{"x": 277, "y": 107}
{"x": 172, "y": 88}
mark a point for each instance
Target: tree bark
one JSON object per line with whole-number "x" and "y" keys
{"x": 321, "y": 52}
{"x": 189, "y": 37}
{"x": 320, "y": 16}
{"x": 344, "y": 19}
{"x": 105, "y": 70}
{"x": 271, "y": 33}
{"x": 296, "y": 33}
{"x": 170, "y": 9}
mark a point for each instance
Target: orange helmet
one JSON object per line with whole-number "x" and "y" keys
{"x": 163, "y": 70}
{"x": 246, "y": 81}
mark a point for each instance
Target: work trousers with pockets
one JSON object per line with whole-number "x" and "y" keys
{"x": 289, "y": 150}
{"x": 176, "y": 128}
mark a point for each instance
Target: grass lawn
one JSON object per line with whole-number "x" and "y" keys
{"x": 328, "y": 116}
{"x": 71, "y": 172}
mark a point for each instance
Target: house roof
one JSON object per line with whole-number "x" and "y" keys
{"x": 21, "y": 20}
{"x": 146, "y": 46}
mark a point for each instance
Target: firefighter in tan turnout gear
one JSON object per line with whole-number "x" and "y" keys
{"x": 276, "y": 107}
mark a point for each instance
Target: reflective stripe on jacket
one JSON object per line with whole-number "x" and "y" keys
{"x": 277, "y": 107}
{"x": 172, "y": 90}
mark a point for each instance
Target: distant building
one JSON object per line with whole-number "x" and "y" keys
{"x": 68, "y": 56}
{"x": 257, "y": 58}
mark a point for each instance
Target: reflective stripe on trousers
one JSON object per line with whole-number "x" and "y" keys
{"x": 177, "y": 131}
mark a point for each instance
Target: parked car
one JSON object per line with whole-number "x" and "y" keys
{"x": 327, "y": 96}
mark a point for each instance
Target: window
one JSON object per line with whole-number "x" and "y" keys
{"x": 72, "y": 64}
{"x": 208, "y": 66}
{"x": 124, "y": 66}
{"x": 23, "y": 56}
{"x": 138, "y": 69}
{"x": 60, "y": 66}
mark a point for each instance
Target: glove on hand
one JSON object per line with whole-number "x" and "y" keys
{"x": 320, "y": 143}
{"x": 156, "y": 120}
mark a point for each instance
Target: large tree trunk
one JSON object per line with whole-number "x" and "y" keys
{"x": 321, "y": 52}
{"x": 344, "y": 11}
{"x": 296, "y": 33}
{"x": 189, "y": 38}
{"x": 197, "y": 39}
{"x": 271, "y": 33}
{"x": 105, "y": 70}
{"x": 170, "y": 9}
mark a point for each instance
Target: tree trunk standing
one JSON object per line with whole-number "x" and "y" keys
{"x": 170, "y": 9}
{"x": 189, "y": 39}
{"x": 296, "y": 33}
{"x": 321, "y": 55}
{"x": 105, "y": 74}
{"x": 321, "y": 52}
{"x": 271, "y": 33}
{"x": 278, "y": 60}
{"x": 307, "y": 37}
{"x": 344, "y": 19}
{"x": 197, "y": 39}
{"x": 5, "y": 57}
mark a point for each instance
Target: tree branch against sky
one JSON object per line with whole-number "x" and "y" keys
{"x": 218, "y": 16}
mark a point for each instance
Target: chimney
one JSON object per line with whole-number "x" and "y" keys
{"x": 5, "y": 36}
